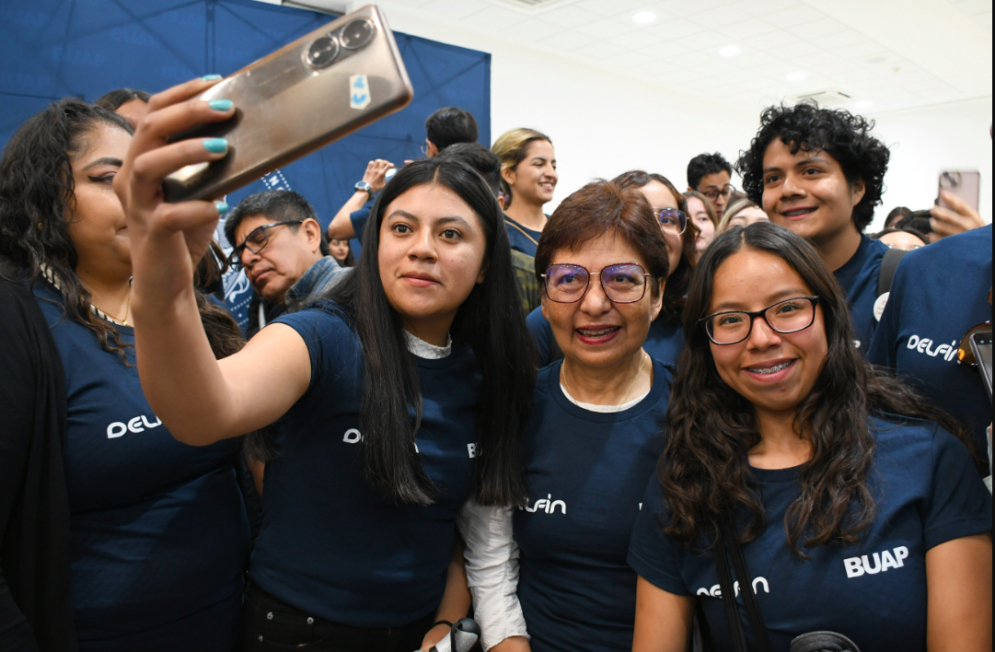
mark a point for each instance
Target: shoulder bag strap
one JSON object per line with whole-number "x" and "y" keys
{"x": 760, "y": 636}
{"x": 736, "y": 637}
{"x": 889, "y": 265}
{"x": 522, "y": 231}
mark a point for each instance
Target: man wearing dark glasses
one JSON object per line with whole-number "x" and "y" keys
{"x": 281, "y": 247}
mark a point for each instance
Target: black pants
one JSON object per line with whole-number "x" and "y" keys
{"x": 271, "y": 625}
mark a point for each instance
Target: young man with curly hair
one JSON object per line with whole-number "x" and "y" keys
{"x": 820, "y": 173}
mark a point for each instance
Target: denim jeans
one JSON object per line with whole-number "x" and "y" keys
{"x": 271, "y": 625}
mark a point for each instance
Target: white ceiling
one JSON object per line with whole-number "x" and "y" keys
{"x": 887, "y": 54}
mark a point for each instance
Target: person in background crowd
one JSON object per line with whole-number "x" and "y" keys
{"x": 939, "y": 294}
{"x": 956, "y": 217}
{"x": 528, "y": 180}
{"x": 919, "y": 222}
{"x": 856, "y": 511}
{"x": 488, "y": 166}
{"x": 741, "y": 213}
{"x": 448, "y": 126}
{"x": 904, "y": 239}
{"x": 710, "y": 174}
{"x": 895, "y": 216}
{"x": 278, "y": 241}
{"x": 702, "y": 215}
{"x": 36, "y": 611}
{"x": 159, "y": 533}
{"x": 820, "y": 173}
{"x": 131, "y": 104}
{"x": 592, "y": 442}
{"x": 665, "y": 340}
{"x": 350, "y": 221}
{"x": 403, "y": 363}
{"x": 342, "y": 253}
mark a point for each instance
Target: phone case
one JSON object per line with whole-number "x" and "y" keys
{"x": 965, "y": 185}
{"x": 318, "y": 89}
{"x": 981, "y": 344}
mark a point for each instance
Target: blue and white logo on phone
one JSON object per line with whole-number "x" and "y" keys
{"x": 359, "y": 92}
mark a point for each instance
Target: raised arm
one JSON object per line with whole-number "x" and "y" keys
{"x": 341, "y": 227}
{"x": 199, "y": 399}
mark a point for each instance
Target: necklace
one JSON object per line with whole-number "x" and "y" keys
{"x": 49, "y": 275}
{"x": 642, "y": 365}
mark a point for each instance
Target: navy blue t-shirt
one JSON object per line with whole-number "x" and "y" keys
{"x": 926, "y": 492}
{"x": 519, "y": 241}
{"x": 587, "y": 473}
{"x": 939, "y": 293}
{"x": 360, "y": 218}
{"x": 160, "y": 535}
{"x": 859, "y": 279}
{"x": 330, "y": 543}
{"x": 664, "y": 341}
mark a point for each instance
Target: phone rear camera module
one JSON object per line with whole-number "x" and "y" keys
{"x": 950, "y": 180}
{"x": 323, "y": 52}
{"x": 358, "y": 34}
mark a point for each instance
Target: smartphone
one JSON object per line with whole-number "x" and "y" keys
{"x": 981, "y": 345}
{"x": 320, "y": 88}
{"x": 965, "y": 185}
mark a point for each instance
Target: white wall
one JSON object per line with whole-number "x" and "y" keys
{"x": 926, "y": 141}
{"x": 601, "y": 125}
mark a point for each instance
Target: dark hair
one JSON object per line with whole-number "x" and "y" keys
{"x": 677, "y": 283}
{"x": 909, "y": 230}
{"x": 481, "y": 159}
{"x": 277, "y": 205}
{"x": 705, "y": 471}
{"x": 490, "y": 322}
{"x": 705, "y": 164}
{"x": 897, "y": 215}
{"x": 113, "y": 100}
{"x": 604, "y": 208}
{"x": 449, "y": 126}
{"x": 844, "y": 136}
{"x": 37, "y": 194}
{"x": 917, "y": 221}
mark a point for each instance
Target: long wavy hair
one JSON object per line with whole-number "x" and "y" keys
{"x": 489, "y": 321}
{"x": 37, "y": 199}
{"x": 705, "y": 470}
{"x": 677, "y": 283}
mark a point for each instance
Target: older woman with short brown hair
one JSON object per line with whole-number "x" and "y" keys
{"x": 592, "y": 441}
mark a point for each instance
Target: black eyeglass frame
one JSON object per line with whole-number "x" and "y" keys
{"x": 234, "y": 259}
{"x": 705, "y": 321}
{"x": 601, "y": 276}
{"x": 682, "y": 217}
{"x": 726, "y": 191}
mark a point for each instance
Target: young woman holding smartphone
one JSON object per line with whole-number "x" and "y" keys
{"x": 380, "y": 397}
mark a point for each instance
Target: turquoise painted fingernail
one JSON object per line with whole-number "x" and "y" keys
{"x": 216, "y": 145}
{"x": 222, "y": 207}
{"x": 210, "y": 78}
{"x": 220, "y": 105}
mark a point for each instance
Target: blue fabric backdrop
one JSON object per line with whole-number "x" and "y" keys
{"x": 56, "y": 48}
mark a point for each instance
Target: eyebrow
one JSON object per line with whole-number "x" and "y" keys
{"x": 542, "y": 159}
{"x": 116, "y": 162}
{"x": 449, "y": 219}
{"x": 776, "y": 298}
{"x": 808, "y": 161}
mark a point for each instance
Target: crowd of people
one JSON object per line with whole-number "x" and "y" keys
{"x": 566, "y": 425}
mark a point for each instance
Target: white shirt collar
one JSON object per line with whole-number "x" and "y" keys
{"x": 423, "y": 349}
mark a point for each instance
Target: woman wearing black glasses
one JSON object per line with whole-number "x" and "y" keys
{"x": 665, "y": 339}
{"x": 852, "y": 508}
{"x": 592, "y": 441}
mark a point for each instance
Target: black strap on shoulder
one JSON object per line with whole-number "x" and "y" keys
{"x": 888, "y": 268}
{"x": 726, "y": 543}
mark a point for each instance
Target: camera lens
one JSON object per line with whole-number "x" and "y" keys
{"x": 950, "y": 180}
{"x": 357, "y": 34}
{"x": 323, "y": 52}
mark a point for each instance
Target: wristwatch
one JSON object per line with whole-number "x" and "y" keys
{"x": 365, "y": 187}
